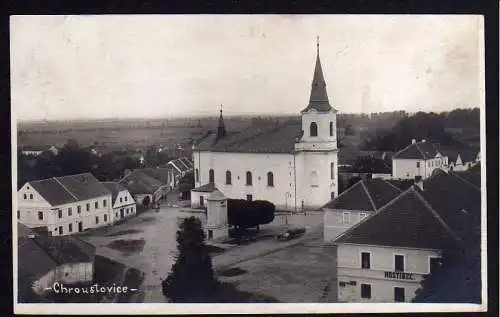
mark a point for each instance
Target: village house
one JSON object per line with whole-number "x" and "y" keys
{"x": 199, "y": 195}
{"x": 182, "y": 166}
{"x": 44, "y": 260}
{"x": 291, "y": 164}
{"x": 460, "y": 159}
{"x": 122, "y": 202}
{"x": 145, "y": 189}
{"x": 385, "y": 257}
{"x": 359, "y": 201}
{"x": 418, "y": 159}
{"x": 64, "y": 205}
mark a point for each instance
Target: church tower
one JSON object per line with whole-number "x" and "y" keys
{"x": 316, "y": 150}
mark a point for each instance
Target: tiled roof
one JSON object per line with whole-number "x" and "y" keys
{"x": 366, "y": 195}
{"x": 67, "y": 189}
{"x": 405, "y": 222}
{"x": 448, "y": 210}
{"x": 114, "y": 188}
{"x": 467, "y": 155}
{"x": 402, "y": 184}
{"x": 417, "y": 150}
{"x": 138, "y": 182}
{"x": 207, "y": 188}
{"x": 187, "y": 162}
{"x": 273, "y": 139}
{"x": 160, "y": 173}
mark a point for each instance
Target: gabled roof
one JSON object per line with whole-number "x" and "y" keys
{"x": 418, "y": 150}
{"x": 187, "y": 162}
{"x": 402, "y": 184}
{"x": 207, "y": 188}
{"x": 138, "y": 182}
{"x": 365, "y": 195}
{"x": 405, "y": 222}
{"x": 276, "y": 138}
{"x": 68, "y": 189}
{"x": 114, "y": 188}
{"x": 472, "y": 175}
{"x": 161, "y": 173}
{"x": 448, "y": 210}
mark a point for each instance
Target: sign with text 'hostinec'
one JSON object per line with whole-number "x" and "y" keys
{"x": 399, "y": 275}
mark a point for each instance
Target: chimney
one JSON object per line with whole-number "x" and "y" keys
{"x": 419, "y": 182}
{"x": 413, "y": 141}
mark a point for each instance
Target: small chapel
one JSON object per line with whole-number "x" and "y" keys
{"x": 293, "y": 165}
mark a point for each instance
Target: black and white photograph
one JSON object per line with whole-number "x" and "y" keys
{"x": 314, "y": 163}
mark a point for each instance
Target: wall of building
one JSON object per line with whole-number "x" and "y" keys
{"x": 407, "y": 168}
{"x": 125, "y": 201}
{"x": 195, "y": 199}
{"x": 71, "y": 273}
{"x": 334, "y": 224}
{"x": 349, "y": 271}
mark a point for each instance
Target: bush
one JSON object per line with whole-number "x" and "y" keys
{"x": 245, "y": 214}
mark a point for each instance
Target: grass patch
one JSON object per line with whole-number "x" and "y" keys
{"x": 127, "y": 246}
{"x": 234, "y": 271}
{"x": 123, "y": 232}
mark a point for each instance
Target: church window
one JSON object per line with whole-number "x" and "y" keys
{"x": 249, "y": 178}
{"x": 332, "y": 170}
{"x": 197, "y": 175}
{"x": 270, "y": 179}
{"x": 331, "y": 128}
{"x": 228, "y": 177}
{"x": 313, "y": 129}
{"x": 314, "y": 179}
{"x": 211, "y": 176}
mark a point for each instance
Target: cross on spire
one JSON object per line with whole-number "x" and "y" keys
{"x": 221, "y": 129}
{"x": 317, "y": 44}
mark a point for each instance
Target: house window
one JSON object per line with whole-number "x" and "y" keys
{"x": 228, "y": 177}
{"x": 59, "y": 212}
{"x": 70, "y": 227}
{"x": 314, "y": 179}
{"x": 399, "y": 263}
{"x": 332, "y": 170}
{"x": 211, "y": 176}
{"x": 96, "y": 220}
{"x": 331, "y": 128}
{"x": 434, "y": 263}
{"x": 313, "y": 129}
{"x": 18, "y": 214}
{"x": 332, "y": 195}
{"x": 78, "y": 209}
{"x": 399, "y": 294}
{"x": 40, "y": 215}
{"x": 249, "y": 178}
{"x": 125, "y": 198}
{"x": 197, "y": 175}
{"x": 25, "y": 196}
{"x": 60, "y": 230}
{"x": 120, "y": 199}
{"x": 96, "y": 205}
{"x": 418, "y": 164}
{"x": 31, "y": 196}
{"x": 88, "y": 207}
{"x": 365, "y": 260}
{"x": 249, "y": 197}
{"x": 270, "y": 179}
{"x": 105, "y": 218}
{"x": 104, "y": 203}
{"x": 366, "y": 291}
{"x": 362, "y": 216}
{"x": 346, "y": 217}
{"x": 70, "y": 212}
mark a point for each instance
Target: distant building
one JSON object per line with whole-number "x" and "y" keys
{"x": 200, "y": 194}
{"x": 64, "y": 205}
{"x": 145, "y": 189}
{"x": 385, "y": 257}
{"x": 418, "y": 159}
{"x": 122, "y": 202}
{"x": 44, "y": 260}
{"x": 292, "y": 165}
{"x": 356, "y": 203}
{"x": 182, "y": 166}
{"x": 460, "y": 159}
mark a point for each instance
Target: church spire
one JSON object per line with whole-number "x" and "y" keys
{"x": 319, "y": 97}
{"x": 221, "y": 129}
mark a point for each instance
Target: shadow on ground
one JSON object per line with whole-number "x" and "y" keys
{"x": 127, "y": 247}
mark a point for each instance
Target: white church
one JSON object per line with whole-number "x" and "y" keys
{"x": 291, "y": 165}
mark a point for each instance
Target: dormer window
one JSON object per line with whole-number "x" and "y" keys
{"x": 313, "y": 129}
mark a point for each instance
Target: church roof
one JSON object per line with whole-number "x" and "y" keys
{"x": 319, "y": 97}
{"x": 279, "y": 138}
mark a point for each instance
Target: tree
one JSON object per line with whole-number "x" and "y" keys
{"x": 245, "y": 214}
{"x": 192, "y": 277}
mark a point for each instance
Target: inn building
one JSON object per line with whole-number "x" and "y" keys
{"x": 384, "y": 257}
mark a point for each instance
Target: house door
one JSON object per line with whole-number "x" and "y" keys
{"x": 202, "y": 201}
{"x": 122, "y": 213}
{"x": 60, "y": 230}
{"x": 210, "y": 234}
{"x": 80, "y": 226}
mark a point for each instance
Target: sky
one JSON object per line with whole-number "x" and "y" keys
{"x": 146, "y": 66}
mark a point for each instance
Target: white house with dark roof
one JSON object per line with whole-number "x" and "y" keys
{"x": 418, "y": 159}
{"x": 359, "y": 201}
{"x": 122, "y": 203}
{"x": 64, "y": 205}
{"x": 293, "y": 165}
{"x": 384, "y": 257}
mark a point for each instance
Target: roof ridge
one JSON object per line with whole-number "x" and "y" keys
{"x": 392, "y": 185}
{"x": 405, "y": 148}
{"x": 420, "y": 150}
{"x": 44, "y": 250}
{"x": 436, "y": 214}
{"x": 466, "y": 181}
{"x": 368, "y": 194}
{"x": 65, "y": 188}
{"x": 257, "y": 133}
{"x": 342, "y": 193}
